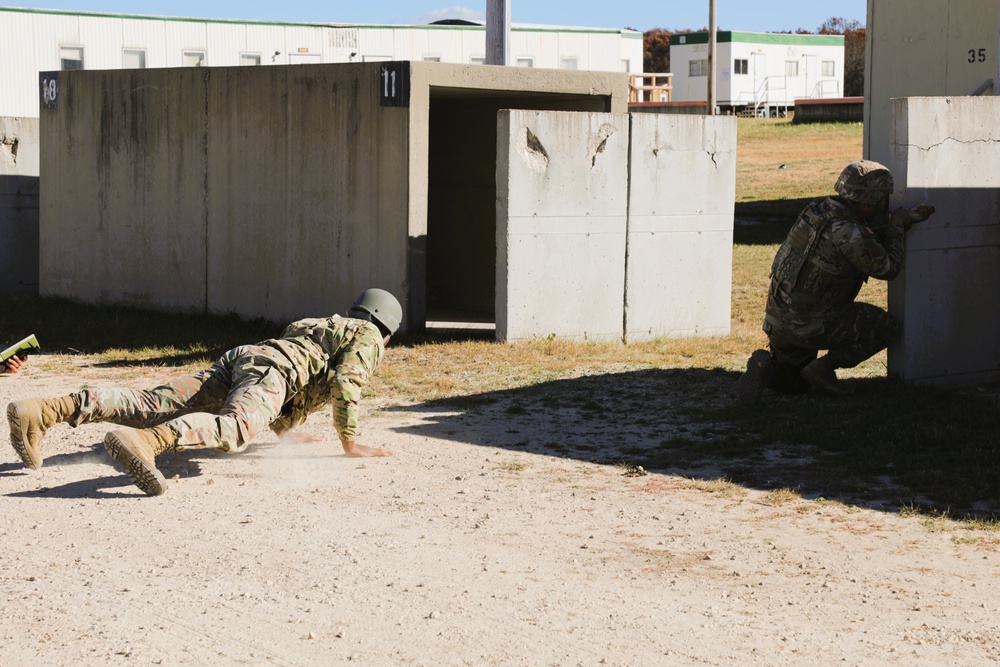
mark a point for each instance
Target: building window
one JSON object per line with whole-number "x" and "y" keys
{"x": 829, "y": 68}
{"x": 133, "y": 58}
{"x": 698, "y": 68}
{"x": 70, "y": 57}
{"x": 478, "y": 60}
{"x": 432, "y": 59}
{"x": 249, "y": 58}
{"x": 524, "y": 61}
{"x": 568, "y": 62}
{"x": 193, "y": 59}
{"x": 741, "y": 66}
{"x": 791, "y": 68}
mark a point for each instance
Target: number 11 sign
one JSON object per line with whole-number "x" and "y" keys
{"x": 394, "y": 84}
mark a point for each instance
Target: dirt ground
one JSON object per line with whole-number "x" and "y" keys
{"x": 468, "y": 547}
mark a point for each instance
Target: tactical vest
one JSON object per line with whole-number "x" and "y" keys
{"x": 797, "y": 250}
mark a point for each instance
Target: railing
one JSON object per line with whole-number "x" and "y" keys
{"x": 986, "y": 85}
{"x": 654, "y": 91}
{"x": 824, "y": 89}
{"x": 762, "y": 96}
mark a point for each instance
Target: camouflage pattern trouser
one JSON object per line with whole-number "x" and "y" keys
{"x": 219, "y": 408}
{"x": 861, "y": 332}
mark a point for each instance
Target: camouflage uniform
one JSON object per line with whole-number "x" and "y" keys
{"x": 817, "y": 273}
{"x": 275, "y": 383}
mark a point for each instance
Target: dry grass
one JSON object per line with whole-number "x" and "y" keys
{"x": 812, "y": 154}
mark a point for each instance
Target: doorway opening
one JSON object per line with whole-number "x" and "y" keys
{"x": 462, "y": 198}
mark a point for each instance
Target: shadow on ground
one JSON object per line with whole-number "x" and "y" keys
{"x": 888, "y": 446}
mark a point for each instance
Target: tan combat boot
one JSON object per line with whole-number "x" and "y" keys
{"x": 136, "y": 450}
{"x": 30, "y": 419}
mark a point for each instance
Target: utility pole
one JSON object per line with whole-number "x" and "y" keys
{"x": 711, "y": 57}
{"x": 497, "y": 32}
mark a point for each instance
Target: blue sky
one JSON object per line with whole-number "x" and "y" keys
{"x": 760, "y": 16}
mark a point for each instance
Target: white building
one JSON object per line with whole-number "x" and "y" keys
{"x": 761, "y": 72}
{"x": 44, "y": 40}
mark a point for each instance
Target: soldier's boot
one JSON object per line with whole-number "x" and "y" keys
{"x": 819, "y": 374}
{"x": 760, "y": 367}
{"x": 136, "y": 450}
{"x": 30, "y": 419}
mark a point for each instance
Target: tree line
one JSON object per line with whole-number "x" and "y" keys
{"x": 656, "y": 50}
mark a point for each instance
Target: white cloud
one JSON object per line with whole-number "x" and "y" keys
{"x": 456, "y": 12}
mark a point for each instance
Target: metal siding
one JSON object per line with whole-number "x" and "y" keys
{"x": 579, "y": 46}
{"x": 18, "y": 68}
{"x": 302, "y": 37}
{"x": 149, "y": 35}
{"x": 375, "y": 42}
{"x": 264, "y": 40}
{"x": 473, "y": 44}
{"x": 32, "y": 44}
{"x": 102, "y": 42}
{"x": 225, "y": 43}
{"x": 185, "y": 36}
{"x": 631, "y": 49}
{"x": 444, "y": 43}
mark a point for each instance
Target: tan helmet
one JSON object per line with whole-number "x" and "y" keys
{"x": 865, "y": 182}
{"x": 378, "y": 306}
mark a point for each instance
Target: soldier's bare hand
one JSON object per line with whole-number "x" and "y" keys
{"x": 354, "y": 449}
{"x": 906, "y": 217}
{"x": 14, "y": 364}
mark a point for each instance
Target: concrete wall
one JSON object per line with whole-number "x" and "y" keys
{"x": 562, "y": 185}
{"x": 19, "y": 185}
{"x": 946, "y": 151}
{"x": 271, "y": 192}
{"x": 680, "y": 226}
{"x": 613, "y": 227}
{"x": 924, "y": 47}
{"x": 281, "y": 191}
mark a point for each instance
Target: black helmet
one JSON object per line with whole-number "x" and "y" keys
{"x": 377, "y": 305}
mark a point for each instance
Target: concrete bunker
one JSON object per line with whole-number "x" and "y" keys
{"x": 281, "y": 192}
{"x": 462, "y": 194}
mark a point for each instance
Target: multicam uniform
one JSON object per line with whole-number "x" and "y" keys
{"x": 274, "y": 383}
{"x": 828, "y": 255}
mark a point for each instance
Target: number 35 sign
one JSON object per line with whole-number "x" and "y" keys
{"x": 50, "y": 89}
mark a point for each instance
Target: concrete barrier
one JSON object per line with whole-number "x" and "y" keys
{"x": 946, "y": 151}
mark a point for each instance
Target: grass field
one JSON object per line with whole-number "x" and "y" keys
{"x": 936, "y": 449}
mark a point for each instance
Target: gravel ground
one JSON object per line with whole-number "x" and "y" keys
{"x": 465, "y": 548}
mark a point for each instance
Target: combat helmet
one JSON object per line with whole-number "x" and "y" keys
{"x": 865, "y": 182}
{"x": 378, "y": 306}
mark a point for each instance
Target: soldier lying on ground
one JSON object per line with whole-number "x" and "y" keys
{"x": 830, "y": 252}
{"x": 275, "y": 383}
